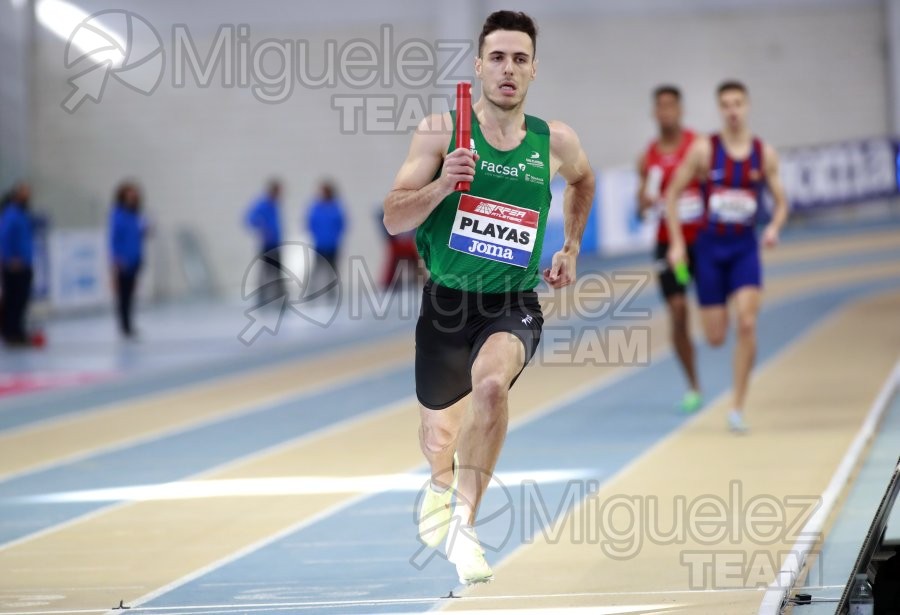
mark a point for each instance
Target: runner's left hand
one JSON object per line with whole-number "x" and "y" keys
{"x": 770, "y": 236}
{"x": 562, "y": 269}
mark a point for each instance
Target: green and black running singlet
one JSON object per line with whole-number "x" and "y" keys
{"x": 489, "y": 239}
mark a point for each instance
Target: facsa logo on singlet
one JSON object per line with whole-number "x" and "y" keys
{"x": 499, "y": 170}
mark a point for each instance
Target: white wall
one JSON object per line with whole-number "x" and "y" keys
{"x": 892, "y": 33}
{"x": 816, "y": 74}
{"x": 14, "y": 28}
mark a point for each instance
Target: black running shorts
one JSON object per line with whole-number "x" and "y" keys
{"x": 668, "y": 285}
{"x": 451, "y": 329}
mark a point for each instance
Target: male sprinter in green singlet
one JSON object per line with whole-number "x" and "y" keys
{"x": 480, "y": 321}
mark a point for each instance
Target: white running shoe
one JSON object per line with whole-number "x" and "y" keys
{"x": 436, "y": 510}
{"x": 736, "y": 422}
{"x": 467, "y": 554}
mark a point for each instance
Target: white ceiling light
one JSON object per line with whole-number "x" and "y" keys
{"x": 89, "y": 39}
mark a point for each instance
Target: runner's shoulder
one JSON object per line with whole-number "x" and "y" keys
{"x": 563, "y": 137}
{"x": 701, "y": 147}
{"x": 702, "y": 141}
{"x": 436, "y": 125}
{"x": 433, "y": 134}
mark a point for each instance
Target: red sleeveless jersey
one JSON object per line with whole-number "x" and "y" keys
{"x": 660, "y": 168}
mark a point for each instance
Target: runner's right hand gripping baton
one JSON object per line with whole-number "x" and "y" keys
{"x": 463, "y": 123}
{"x": 682, "y": 273}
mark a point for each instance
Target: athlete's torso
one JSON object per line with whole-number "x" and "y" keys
{"x": 489, "y": 239}
{"x": 660, "y": 167}
{"x": 734, "y": 187}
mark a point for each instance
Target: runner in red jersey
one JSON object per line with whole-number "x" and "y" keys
{"x": 656, "y": 167}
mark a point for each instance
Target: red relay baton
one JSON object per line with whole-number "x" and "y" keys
{"x": 463, "y": 123}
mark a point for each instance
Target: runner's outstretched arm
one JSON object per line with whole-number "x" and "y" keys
{"x": 780, "y": 213}
{"x": 578, "y": 199}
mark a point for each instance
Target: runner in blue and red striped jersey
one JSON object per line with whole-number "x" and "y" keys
{"x": 735, "y": 166}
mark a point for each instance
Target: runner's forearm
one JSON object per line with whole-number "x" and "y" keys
{"x": 780, "y": 212}
{"x": 672, "y": 222}
{"x": 578, "y": 199}
{"x": 404, "y": 210}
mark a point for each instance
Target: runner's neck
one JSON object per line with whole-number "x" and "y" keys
{"x": 670, "y": 139}
{"x": 737, "y": 138}
{"x": 504, "y": 125}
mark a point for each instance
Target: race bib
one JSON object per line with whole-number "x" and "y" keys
{"x": 733, "y": 206}
{"x": 493, "y": 230}
{"x": 653, "y": 186}
{"x": 690, "y": 206}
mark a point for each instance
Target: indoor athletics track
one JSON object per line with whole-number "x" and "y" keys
{"x": 286, "y": 481}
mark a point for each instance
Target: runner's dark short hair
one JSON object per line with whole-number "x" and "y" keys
{"x": 516, "y": 21}
{"x": 667, "y": 89}
{"x": 732, "y": 85}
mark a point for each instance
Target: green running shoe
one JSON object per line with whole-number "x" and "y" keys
{"x": 691, "y": 402}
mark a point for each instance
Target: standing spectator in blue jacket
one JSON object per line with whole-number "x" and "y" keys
{"x": 16, "y": 260}
{"x": 264, "y": 218}
{"x": 325, "y": 221}
{"x": 127, "y": 229}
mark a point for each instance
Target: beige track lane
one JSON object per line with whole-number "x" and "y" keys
{"x": 817, "y": 248}
{"x": 157, "y": 414}
{"x": 805, "y": 408}
{"x": 146, "y": 545}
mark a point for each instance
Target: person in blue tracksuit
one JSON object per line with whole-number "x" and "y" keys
{"x": 127, "y": 229}
{"x": 263, "y": 217}
{"x": 16, "y": 260}
{"x": 325, "y": 222}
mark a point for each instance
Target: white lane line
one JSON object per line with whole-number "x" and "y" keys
{"x": 288, "y": 485}
{"x": 426, "y": 600}
{"x": 776, "y": 594}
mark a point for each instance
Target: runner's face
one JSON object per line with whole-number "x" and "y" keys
{"x": 668, "y": 112}
{"x": 733, "y": 106}
{"x": 506, "y": 67}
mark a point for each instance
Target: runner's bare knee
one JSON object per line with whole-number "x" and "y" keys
{"x": 490, "y": 389}
{"x": 437, "y": 438}
{"x": 746, "y": 325}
